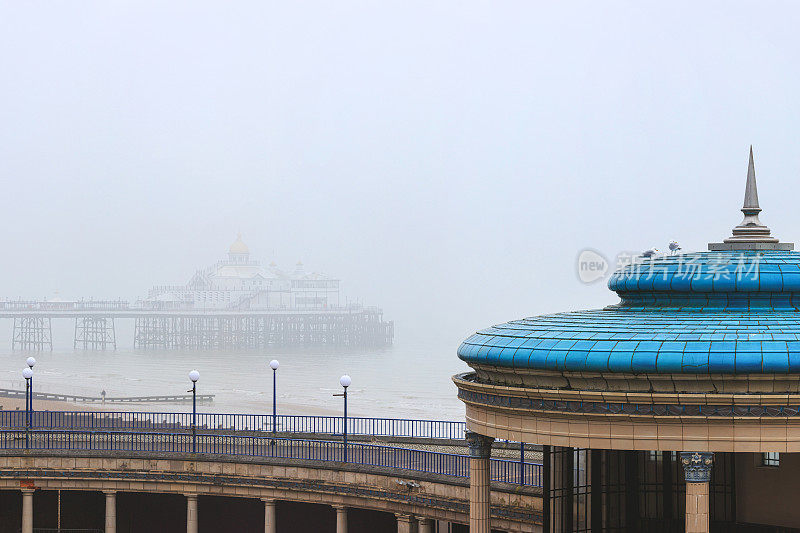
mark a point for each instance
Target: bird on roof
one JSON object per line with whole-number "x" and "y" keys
{"x": 674, "y": 247}
{"x": 652, "y": 252}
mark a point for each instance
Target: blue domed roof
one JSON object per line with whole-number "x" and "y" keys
{"x": 733, "y": 280}
{"x": 735, "y": 310}
{"x": 709, "y": 312}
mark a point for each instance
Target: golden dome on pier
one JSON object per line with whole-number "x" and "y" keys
{"x": 239, "y": 247}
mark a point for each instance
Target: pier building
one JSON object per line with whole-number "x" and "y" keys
{"x": 239, "y": 282}
{"x": 675, "y": 409}
{"x": 236, "y": 303}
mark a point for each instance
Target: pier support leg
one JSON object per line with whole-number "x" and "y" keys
{"x": 697, "y": 470}
{"x": 425, "y": 525}
{"x": 404, "y": 523}
{"x": 27, "y": 510}
{"x": 32, "y": 333}
{"x": 191, "y": 513}
{"x": 94, "y": 333}
{"x": 480, "y": 451}
{"x": 270, "y": 523}
{"x": 341, "y": 518}
{"x": 111, "y": 511}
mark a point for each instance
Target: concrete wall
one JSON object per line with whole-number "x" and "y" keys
{"x": 768, "y": 495}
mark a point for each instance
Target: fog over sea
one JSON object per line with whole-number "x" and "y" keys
{"x": 402, "y": 381}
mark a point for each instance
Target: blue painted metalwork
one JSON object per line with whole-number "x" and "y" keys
{"x": 267, "y": 446}
{"x": 733, "y": 312}
{"x": 331, "y": 425}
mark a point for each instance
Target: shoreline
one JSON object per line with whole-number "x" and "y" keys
{"x": 286, "y": 409}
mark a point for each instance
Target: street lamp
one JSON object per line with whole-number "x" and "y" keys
{"x": 31, "y": 361}
{"x": 274, "y": 364}
{"x": 345, "y": 382}
{"x": 27, "y": 373}
{"x": 194, "y": 375}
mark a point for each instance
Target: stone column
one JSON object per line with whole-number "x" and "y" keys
{"x": 27, "y": 510}
{"x": 480, "y": 450}
{"x": 111, "y": 511}
{"x": 270, "y": 521}
{"x": 697, "y": 470}
{"x": 341, "y": 518}
{"x": 404, "y": 522}
{"x": 425, "y": 525}
{"x": 191, "y": 513}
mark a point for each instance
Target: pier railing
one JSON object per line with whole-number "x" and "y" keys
{"x": 160, "y": 442}
{"x": 330, "y": 425}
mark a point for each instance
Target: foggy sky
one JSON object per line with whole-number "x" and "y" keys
{"x": 446, "y": 160}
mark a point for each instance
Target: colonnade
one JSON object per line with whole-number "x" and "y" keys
{"x": 697, "y": 472}
{"x": 405, "y": 522}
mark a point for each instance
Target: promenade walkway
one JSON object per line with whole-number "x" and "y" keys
{"x": 425, "y": 446}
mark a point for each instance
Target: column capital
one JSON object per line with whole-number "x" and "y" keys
{"x": 110, "y": 492}
{"x": 339, "y": 507}
{"x": 401, "y": 517}
{"x": 28, "y": 490}
{"x": 479, "y": 445}
{"x": 268, "y": 500}
{"x": 697, "y": 466}
{"x": 191, "y": 496}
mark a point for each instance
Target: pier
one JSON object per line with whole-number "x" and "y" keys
{"x": 350, "y": 326}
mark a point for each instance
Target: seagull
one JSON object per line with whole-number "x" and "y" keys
{"x": 674, "y": 247}
{"x": 652, "y": 252}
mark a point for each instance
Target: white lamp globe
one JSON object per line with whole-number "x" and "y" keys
{"x": 31, "y": 361}
{"x": 27, "y": 373}
{"x": 345, "y": 380}
{"x": 194, "y": 375}
{"x": 274, "y": 364}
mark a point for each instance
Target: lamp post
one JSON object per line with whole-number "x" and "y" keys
{"x": 345, "y": 382}
{"x": 30, "y": 362}
{"x": 27, "y": 373}
{"x": 194, "y": 375}
{"x": 274, "y": 364}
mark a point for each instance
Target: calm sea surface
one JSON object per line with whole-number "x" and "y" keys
{"x": 404, "y": 381}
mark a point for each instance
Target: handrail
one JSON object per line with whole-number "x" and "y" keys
{"x": 329, "y": 425}
{"x": 259, "y": 446}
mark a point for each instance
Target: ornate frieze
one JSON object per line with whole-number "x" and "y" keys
{"x": 615, "y": 408}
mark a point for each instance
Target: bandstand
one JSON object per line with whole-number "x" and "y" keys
{"x": 677, "y": 409}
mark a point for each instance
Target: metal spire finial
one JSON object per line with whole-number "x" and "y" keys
{"x": 750, "y": 190}
{"x": 751, "y": 234}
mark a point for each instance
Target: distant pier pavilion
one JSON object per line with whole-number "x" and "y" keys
{"x": 233, "y": 304}
{"x": 677, "y": 409}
